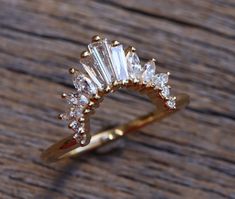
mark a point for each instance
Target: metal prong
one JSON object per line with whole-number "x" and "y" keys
{"x": 108, "y": 89}
{"x": 154, "y": 60}
{"x": 168, "y": 73}
{"x": 97, "y": 96}
{"x": 96, "y": 38}
{"x": 70, "y": 125}
{"x": 115, "y": 43}
{"x": 63, "y": 95}
{"x": 131, "y": 48}
{"x": 115, "y": 83}
{"x": 82, "y": 119}
{"x": 87, "y": 111}
{"x": 60, "y": 116}
{"x": 72, "y": 71}
{"x": 85, "y": 54}
{"x": 91, "y": 103}
{"x": 136, "y": 81}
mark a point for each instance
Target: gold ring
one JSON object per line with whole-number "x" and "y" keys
{"x": 104, "y": 68}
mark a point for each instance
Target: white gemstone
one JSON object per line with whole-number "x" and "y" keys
{"x": 84, "y": 84}
{"x": 160, "y": 80}
{"x": 77, "y": 127}
{"x": 90, "y": 66}
{"x": 83, "y": 100}
{"x": 101, "y": 52}
{"x": 76, "y": 112}
{"x": 171, "y": 103}
{"x": 77, "y": 99}
{"x": 165, "y": 92}
{"x": 72, "y": 98}
{"x": 65, "y": 116}
{"x": 119, "y": 62}
{"x": 149, "y": 71}
{"x": 133, "y": 64}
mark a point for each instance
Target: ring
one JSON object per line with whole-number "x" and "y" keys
{"x": 104, "y": 68}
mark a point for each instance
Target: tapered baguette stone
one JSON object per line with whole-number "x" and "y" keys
{"x": 91, "y": 67}
{"x": 101, "y": 52}
{"x": 119, "y": 62}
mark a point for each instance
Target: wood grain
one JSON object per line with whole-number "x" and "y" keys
{"x": 190, "y": 155}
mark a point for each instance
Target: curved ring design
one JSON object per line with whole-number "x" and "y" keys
{"x": 106, "y": 68}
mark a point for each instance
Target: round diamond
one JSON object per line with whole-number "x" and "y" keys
{"x": 171, "y": 103}
{"x": 76, "y": 126}
{"x": 160, "y": 79}
{"x": 165, "y": 91}
{"x": 72, "y": 98}
{"x": 76, "y": 112}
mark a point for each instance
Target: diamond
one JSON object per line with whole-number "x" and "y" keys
{"x": 76, "y": 112}
{"x": 72, "y": 98}
{"x": 76, "y": 99}
{"x": 90, "y": 66}
{"x": 83, "y": 100}
{"x": 149, "y": 71}
{"x": 160, "y": 80}
{"x": 77, "y": 127}
{"x": 101, "y": 52}
{"x": 84, "y": 84}
{"x": 119, "y": 62}
{"x": 165, "y": 92}
{"x": 171, "y": 103}
{"x": 133, "y": 64}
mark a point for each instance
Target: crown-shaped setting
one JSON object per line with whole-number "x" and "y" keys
{"x": 104, "y": 68}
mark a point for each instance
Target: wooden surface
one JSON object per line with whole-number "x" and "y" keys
{"x": 189, "y": 155}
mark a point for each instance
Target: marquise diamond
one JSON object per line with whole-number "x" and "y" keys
{"x": 91, "y": 67}
{"x": 133, "y": 64}
{"x": 149, "y": 71}
{"x": 84, "y": 84}
{"x": 119, "y": 62}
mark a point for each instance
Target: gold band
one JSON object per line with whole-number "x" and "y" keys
{"x": 68, "y": 147}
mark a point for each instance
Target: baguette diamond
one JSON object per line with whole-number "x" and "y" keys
{"x": 91, "y": 67}
{"x": 119, "y": 62}
{"x": 101, "y": 52}
{"x": 104, "y": 69}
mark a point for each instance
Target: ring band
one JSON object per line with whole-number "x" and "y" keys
{"x": 106, "y": 68}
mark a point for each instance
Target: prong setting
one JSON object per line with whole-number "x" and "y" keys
{"x": 108, "y": 67}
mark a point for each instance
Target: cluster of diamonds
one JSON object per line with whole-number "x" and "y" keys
{"x": 104, "y": 66}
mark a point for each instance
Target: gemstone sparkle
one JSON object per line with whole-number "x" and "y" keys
{"x": 133, "y": 64}
{"x": 101, "y": 52}
{"x": 119, "y": 62}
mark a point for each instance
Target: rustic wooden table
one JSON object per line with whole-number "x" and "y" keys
{"x": 189, "y": 155}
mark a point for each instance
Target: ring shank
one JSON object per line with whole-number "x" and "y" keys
{"x": 68, "y": 147}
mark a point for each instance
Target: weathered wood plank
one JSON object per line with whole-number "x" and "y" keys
{"x": 191, "y": 155}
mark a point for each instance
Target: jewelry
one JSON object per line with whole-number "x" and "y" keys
{"x": 105, "y": 68}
